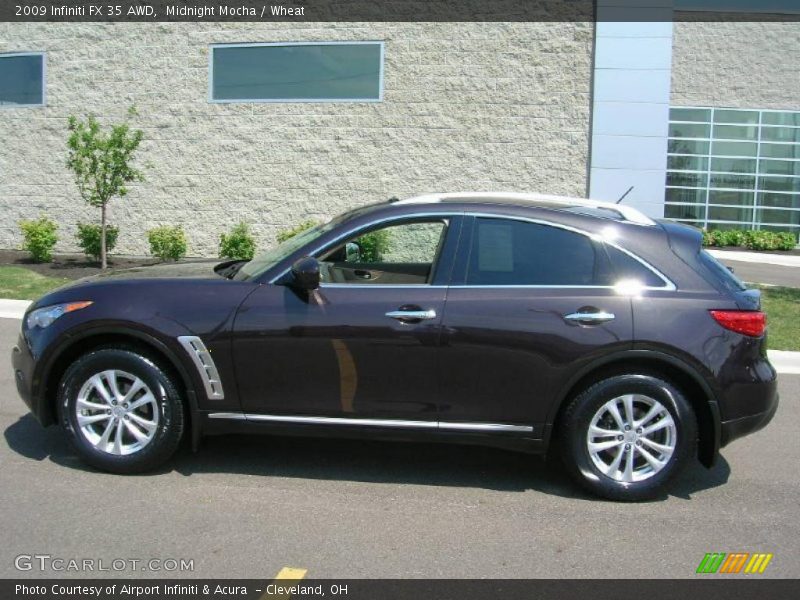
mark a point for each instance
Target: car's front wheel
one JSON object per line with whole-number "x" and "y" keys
{"x": 121, "y": 410}
{"x": 627, "y": 436}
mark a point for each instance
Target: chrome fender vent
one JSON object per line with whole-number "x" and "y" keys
{"x": 201, "y": 358}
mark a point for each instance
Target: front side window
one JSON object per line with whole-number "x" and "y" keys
{"x": 22, "y": 79}
{"x": 509, "y": 252}
{"x": 399, "y": 254}
{"x": 301, "y": 72}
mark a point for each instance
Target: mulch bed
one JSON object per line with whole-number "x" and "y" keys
{"x": 71, "y": 266}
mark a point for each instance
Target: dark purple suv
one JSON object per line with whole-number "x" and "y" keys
{"x": 527, "y": 322}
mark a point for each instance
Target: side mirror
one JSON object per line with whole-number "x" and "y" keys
{"x": 305, "y": 273}
{"x": 352, "y": 252}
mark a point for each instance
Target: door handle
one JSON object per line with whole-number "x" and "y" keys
{"x": 590, "y": 318}
{"x": 411, "y": 316}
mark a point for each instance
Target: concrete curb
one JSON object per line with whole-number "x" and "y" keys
{"x": 783, "y": 361}
{"x": 757, "y": 257}
{"x": 13, "y": 309}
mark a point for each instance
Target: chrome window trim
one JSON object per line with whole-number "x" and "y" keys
{"x": 204, "y": 363}
{"x": 347, "y": 421}
{"x": 668, "y": 286}
{"x": 213, "y": 47}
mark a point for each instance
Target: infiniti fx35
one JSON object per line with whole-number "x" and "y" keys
{"x": 526, "y": 322}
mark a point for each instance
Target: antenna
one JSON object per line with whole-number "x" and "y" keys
{"x": 621, "y": 198}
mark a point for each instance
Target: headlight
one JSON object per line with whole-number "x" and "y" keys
{"x": 43, "y": 317}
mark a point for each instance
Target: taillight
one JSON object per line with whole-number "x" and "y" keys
{"x": 746, "y": 322}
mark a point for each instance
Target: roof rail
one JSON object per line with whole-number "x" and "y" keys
{"x": 626, "y": 213}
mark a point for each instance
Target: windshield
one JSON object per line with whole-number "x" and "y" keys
{"x": 273, "y": 256}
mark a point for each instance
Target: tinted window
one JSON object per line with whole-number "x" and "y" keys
{"x": 507, "y": 252}
{"x": 721, "y": 272}
{"x": 297, "y": 72}
{"x": 21, "y": 79}
{"x": 627, "y": 268}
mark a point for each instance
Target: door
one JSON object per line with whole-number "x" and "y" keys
{"x": 530, "y": 304}
{"x": 365, "y": 345}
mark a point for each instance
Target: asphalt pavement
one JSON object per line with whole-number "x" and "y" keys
{"x": 248, "y": 506}
{"x": 769, "y": 274}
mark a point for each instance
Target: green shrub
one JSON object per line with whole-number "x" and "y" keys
{"x": 290, "y": 233}
{"x": 786, "y": 240}
{"x": 89, "y": 239}
{"x": 754, "y": 240}
{"x": 373, "y": 245}
{"x": 239, "y": 245}
{"x": 39, "y": 237}
{"x": 167, "y": 242}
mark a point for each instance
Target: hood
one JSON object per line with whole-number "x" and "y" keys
{"x": 184, "y": 270}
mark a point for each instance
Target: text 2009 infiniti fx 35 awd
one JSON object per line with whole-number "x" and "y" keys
{"x": 521, "y": 321}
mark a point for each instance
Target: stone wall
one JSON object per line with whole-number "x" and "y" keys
{"x": 467, "y": 106}
{"x": 736, "y": 65}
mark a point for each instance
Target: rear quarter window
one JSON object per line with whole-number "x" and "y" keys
{"x": 720, "y": 272}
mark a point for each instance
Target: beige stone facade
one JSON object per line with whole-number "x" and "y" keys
{"x": 736, "y": 65}
{"x": 476, "y": 106}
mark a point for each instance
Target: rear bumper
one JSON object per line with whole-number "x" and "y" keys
{"x": 736, "y": 428}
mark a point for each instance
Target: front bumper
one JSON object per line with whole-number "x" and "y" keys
{"x": 22, "y": 362}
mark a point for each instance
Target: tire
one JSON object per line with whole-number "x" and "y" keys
{"x": 112, "y": 426}
{"x": 600, "y": 462}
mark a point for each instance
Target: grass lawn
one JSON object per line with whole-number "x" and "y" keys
{"x": 18, "y": 283}
{"x": 782, "y": 306}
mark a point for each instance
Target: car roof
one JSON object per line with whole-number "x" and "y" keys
{"x": 583, "y": 206}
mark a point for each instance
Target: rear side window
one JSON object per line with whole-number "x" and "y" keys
{"x": 627, "y": 268}
{"x": 509, "y": 252}
{"x": 721, "y": 272}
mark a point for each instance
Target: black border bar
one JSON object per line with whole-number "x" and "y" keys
{"x": 378, "y": 10}
{"x": 705, "y": 587}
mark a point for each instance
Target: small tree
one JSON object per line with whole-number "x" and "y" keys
{"x": 102, "y": 166}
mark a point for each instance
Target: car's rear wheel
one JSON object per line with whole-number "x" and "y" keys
{"x": 121, "y": 410}
{"x": 627, "y": 436}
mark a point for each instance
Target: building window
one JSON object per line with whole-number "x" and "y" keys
{"x": 22, "y": 79}
{"x": 296, "y": 72}
{"x": 734, "y": 168}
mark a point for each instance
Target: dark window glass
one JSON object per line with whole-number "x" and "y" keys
{"x": 21, "y": 79}
{"x": 627, "y": 268}
{"x": 721, "y": 272}
{"x": 780, "y": 167}
{"x": 779, "y": 200}
{"x": 736, "y": 116}
{"x": 780, "y": 184}
{"x": 687, "y": 147}
{"x": 781, "y": 118}
{"x": 303, "y": 72}
{"x": 734, "y": 132}
{"x": 780, "y": 150}
{"x": 748, "y": 149}
{"x": 507, "y": 252}
{"x": 689, "y": 130}
{"x": 678, "y": 178}
{"x": 690, "y": 114}
{"x": 687, "y": 163}
{"x": 684, "y": 212}
{"x": 679, "y": 195}
{"x": 780, "y": 134}
{"x": 733, "y": 165}
{"x": 737, "y": 182}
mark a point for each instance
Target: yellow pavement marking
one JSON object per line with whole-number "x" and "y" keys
{"x": 285, "y": 573}
{"x": 291, "y": 573}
